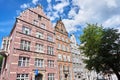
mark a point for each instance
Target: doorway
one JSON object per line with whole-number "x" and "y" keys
{"x": 66, "y": 76}
{"x": 39, "y": 77}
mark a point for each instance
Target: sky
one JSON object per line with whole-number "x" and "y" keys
{"x": 74, "y": 13}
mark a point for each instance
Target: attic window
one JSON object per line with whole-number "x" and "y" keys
{"x": 39, "y": 17}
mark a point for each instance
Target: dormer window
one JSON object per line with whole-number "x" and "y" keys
{"x": 39, "y": 17}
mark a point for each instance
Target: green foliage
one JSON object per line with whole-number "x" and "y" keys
{"x": 1, "y": 58}
{"x": 91, "y": 37}
{"x": 102, "y": 48}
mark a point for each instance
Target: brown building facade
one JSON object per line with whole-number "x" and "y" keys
{"x": 31, "y": 52}
{"x": 63, "y": 52}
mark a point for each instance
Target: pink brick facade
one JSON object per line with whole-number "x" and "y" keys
{"x": 32, "y": 19}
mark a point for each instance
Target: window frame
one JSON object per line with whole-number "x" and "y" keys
{"x": 22, "y": 77}
{"x": 23, "y": 61}
{"x": 39, "y": 62}
{"x": 26, "y": 30}
{"x": 25, "y": 45}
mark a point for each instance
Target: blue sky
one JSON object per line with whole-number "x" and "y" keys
{"x": 75, "y": 13}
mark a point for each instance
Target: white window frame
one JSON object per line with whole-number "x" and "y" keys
{"x": 59, "y": 46}
{"x": 51, "y": 76}
{"x": 35, "y": 22}
{"x": 39, "y": 63}
{"x": 67, "y": 40}
{"x": 63, "y": 39}
{"x": 23, "y": 61}
{"x": 59, "y": 57}
{"x": 43, "y": 26}
{"x": 26, "y": 30}
{"x": 39, "y": 48}
{"x": 68, "y": 57}
{"x": 50, "y": 50}
{"x": 64, "y": 57}
{"x": 25, "y": 45}
{"x": 40, "y": 35}
{"x": 51, "y": 63}
{"x": 50, "y": 38}
{"x": 22, "y": 77}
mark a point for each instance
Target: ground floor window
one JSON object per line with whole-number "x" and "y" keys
{"x": 22, "y": 77}
{"x": 51, "y": 76}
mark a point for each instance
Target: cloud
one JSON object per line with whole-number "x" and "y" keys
{"x": 91, "y": 11}
{"x": 114, "y": 21}
{"x": 48, "y": 1}
{"x": 25, "y": 5}
{"x": 35, "y": 1}
{"x": 80, "y": 12}
{"x": 60, "y": 6}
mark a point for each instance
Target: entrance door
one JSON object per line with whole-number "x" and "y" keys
{"x": 66, "y": 76}
{"x": 39, "y": 77}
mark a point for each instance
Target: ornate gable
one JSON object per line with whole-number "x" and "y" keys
{"x": 60, "y": 27}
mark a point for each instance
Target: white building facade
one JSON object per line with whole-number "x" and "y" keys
{"x": 79, "y": 70}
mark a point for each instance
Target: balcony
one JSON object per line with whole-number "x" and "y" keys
{"x": 3, "y": 53}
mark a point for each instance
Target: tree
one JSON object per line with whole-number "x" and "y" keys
{"x": 102, "y": 47}
{"x": 1, "y": 58}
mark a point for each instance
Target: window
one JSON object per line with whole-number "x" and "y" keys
{"x": 66, "y": 68}
{"x": 51, "y": 76}
{"x": 25, "y": 45}
{"x": 68, "y": 57}
{"x": 64, "y": 57}
{"x": 63, "y": 47}
{"x": 23, "y": 61}
{"x": 59, "y": 46}
{"x": 22, "y": 77}
{"x": 43, "y": 26}
{"x": 35, "y": 22}
{"x": 39, "y": 35}
{"x": 39, "y": 48}
{"x": 26, "y": 30}
{"x": 50, "y": 63}
{"x": 66, "y": 40}
{"x": 67, "y": 49}
{"x": 50, "y": 50}
{"x": 50, "y": 38}
{"x": 58, "y": 37}
{"x": 39, "y": 62}
{"x": 62, "y": 39}
{"x": 39, "y": 17}
{"x": 59, "y": 57}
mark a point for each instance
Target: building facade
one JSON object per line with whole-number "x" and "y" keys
{"x": 79, "y": 70}
{"x": 64, "y": 60}
{"x": 76, "y": 58}
{"x": 31, "y": 53}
